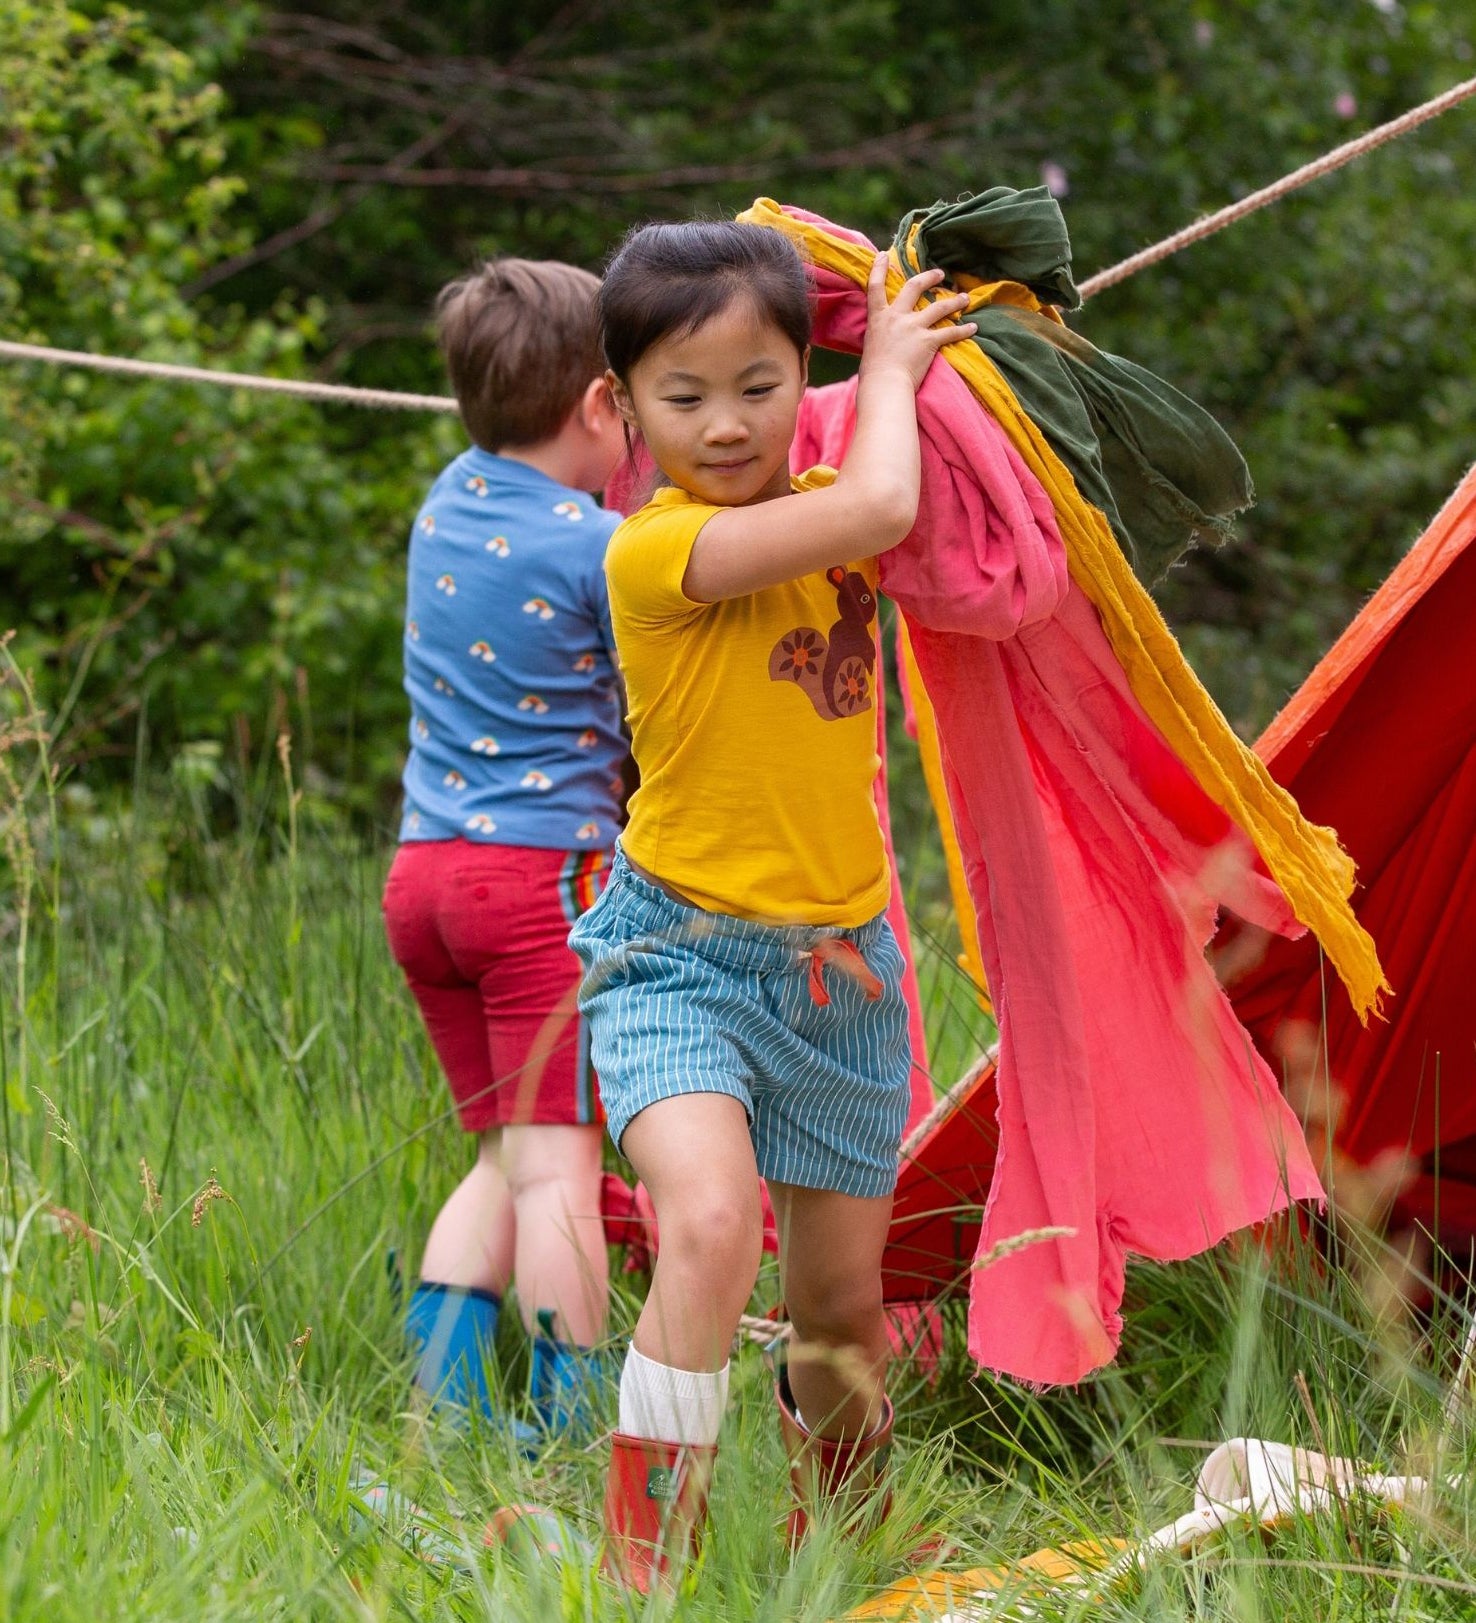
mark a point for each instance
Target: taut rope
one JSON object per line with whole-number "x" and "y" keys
{"x": 1279, "y": 188}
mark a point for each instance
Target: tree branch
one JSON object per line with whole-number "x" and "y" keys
{"x": 319, "y": 219}
{"x": 106, "y": 538}
{"x": 575, "y": 177}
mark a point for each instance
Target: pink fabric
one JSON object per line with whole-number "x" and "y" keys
{"x": 1134, "y": 1111}
{"x": 921, "y": 1101}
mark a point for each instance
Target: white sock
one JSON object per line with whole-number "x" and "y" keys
{"x": 671, "y": 1405}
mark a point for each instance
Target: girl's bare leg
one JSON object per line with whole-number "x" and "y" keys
{"x": 559, "y": 1261}
{"x": 695, "y": 1157}
{"x": 830, "y": 1250}
{"x": 471, "y": 1240}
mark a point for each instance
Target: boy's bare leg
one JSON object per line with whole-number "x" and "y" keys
{"x": 559, "y": 1261}
{"x": 471, "y": 1240}
{"x": 830, "y": 1250}
{"x": 695, "y": 1157}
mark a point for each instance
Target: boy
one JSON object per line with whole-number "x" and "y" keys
{"x": 513, "y": 792}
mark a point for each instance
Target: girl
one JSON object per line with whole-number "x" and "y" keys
{"x": 742, "y": 984}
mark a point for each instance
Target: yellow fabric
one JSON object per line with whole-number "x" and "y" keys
{"x": 1040, "y": 1576}
{"x": 931, "y": 753}
{"x": 1314, "y": 872}
{"x": 756, "y": 792}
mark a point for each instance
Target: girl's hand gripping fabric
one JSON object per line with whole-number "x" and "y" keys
{"x": 905, "y": 333}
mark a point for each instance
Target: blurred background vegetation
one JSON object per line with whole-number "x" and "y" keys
{"x": 191, "y": 570}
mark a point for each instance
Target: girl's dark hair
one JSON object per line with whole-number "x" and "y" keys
{"x": 666, "y": 281}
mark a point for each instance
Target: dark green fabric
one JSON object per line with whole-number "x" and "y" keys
{"x": 999, "y": 236}
{"x": 1160, "y": 467}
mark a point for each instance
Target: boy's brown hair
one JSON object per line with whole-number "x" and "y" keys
{"x": 521, "y": 339}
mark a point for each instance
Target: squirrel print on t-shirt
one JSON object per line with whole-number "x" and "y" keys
{"x": 833, "y": 672}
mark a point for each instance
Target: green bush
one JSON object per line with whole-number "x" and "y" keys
{"x": 203, "y": 563}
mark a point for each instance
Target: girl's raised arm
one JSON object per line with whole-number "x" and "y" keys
{"x": 873, "y": 502}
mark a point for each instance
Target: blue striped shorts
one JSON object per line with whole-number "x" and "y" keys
{"x": 680, "y": 1000}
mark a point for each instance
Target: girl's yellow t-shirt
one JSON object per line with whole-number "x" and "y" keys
{"x": 753, "y": 722}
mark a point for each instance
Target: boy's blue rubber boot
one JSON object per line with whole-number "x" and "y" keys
{"x": 569, "y": 1385}
{"x": 452, "y": 1329}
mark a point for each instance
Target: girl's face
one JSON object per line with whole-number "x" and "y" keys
{"x": 717, "y": 407}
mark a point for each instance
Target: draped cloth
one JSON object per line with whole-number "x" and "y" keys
{"x": 1306, "y": 861}
{"x": 1157, "y": 466}
{"x": 1104, "y": 813}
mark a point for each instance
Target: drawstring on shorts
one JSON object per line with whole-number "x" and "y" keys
{"x": 839, "y": 954}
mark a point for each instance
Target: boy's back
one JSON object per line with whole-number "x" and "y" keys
{"x": 515, "y": 710}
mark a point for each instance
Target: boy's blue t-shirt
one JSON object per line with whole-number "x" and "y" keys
{"x": 509, "y": 663}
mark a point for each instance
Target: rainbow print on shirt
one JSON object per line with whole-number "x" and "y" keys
{"x": 500, "y": 586}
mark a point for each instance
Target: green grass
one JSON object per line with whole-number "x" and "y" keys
{"x": 187, "y": 1389}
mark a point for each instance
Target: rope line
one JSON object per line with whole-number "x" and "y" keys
{"x": 1273, "y": 193}
{"x": 391, "y": 400}
{"x": 763, "y": 1331}
{"x": 945, "y": 1102}
{"x": 386, "y": 399}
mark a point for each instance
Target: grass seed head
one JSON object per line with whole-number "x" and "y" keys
{"x": 211, "y": 1191}
{"x": 153, "y": 1200}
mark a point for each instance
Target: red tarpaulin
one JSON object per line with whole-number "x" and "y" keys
{"x": 1378, "y": 743}
{"x": 947, "y": 1163}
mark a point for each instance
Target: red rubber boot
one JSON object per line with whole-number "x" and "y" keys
{"x": 847, "y": 1473}
{"x": 655, "y": 1506}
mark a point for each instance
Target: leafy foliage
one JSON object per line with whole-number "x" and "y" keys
{"x": 200, "y": 555}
